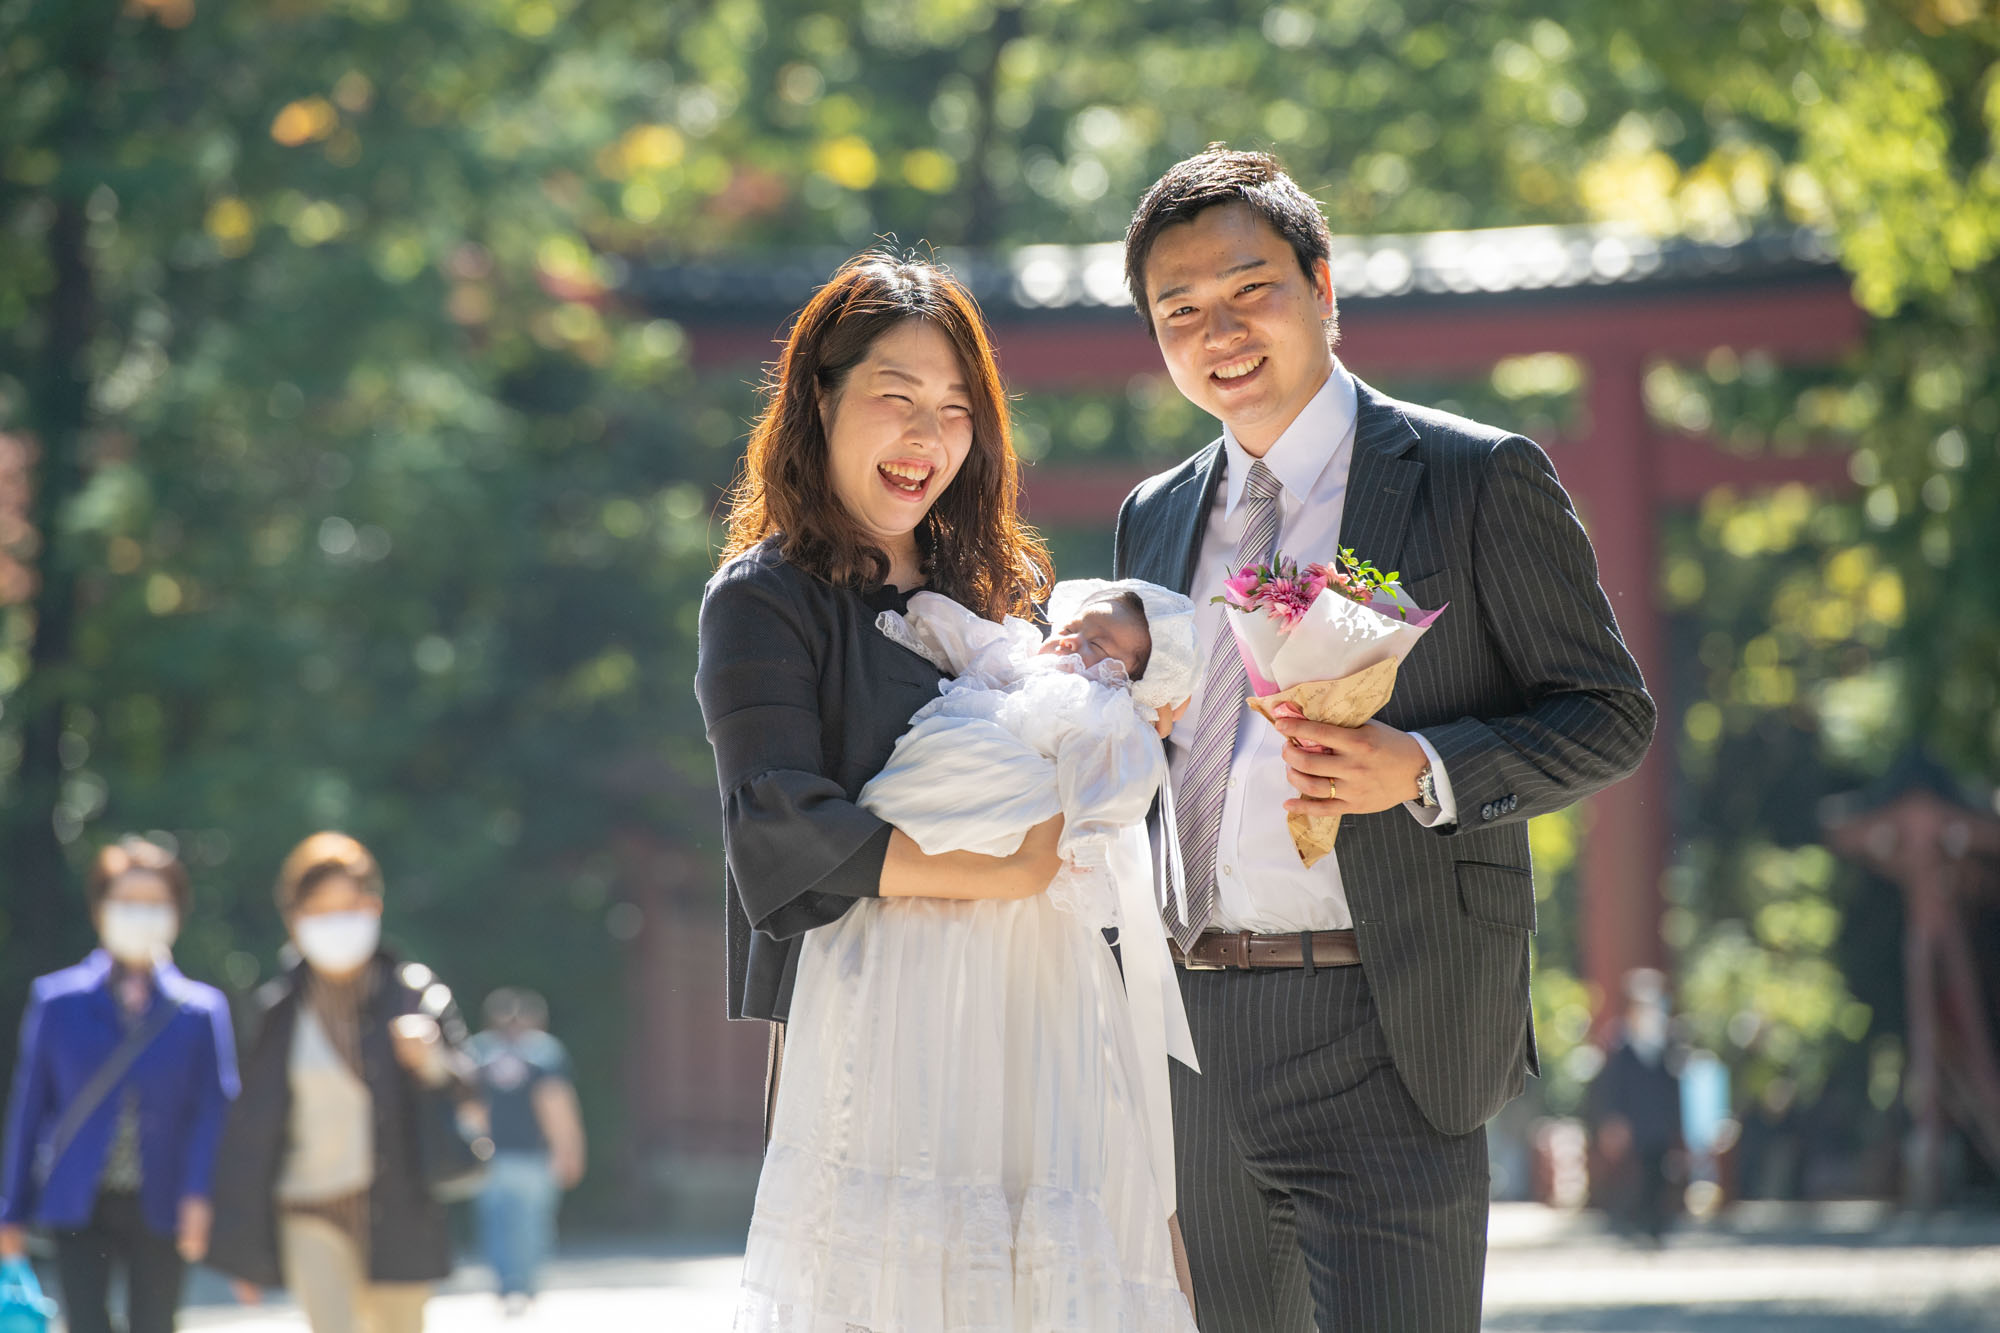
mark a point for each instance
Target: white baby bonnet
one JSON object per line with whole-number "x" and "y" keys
{"x": 1169, "y": 678}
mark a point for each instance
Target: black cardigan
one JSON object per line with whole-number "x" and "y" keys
{"x": 409, "y": 1232}
{"x": 803, "y": 698}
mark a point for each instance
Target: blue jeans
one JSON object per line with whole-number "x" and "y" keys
{"x": 517, "y": 1218}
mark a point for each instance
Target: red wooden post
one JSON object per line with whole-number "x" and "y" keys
{"x": 1614, "y": 474}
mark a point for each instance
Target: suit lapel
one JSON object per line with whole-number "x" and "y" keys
{"x": 1192, "y": 504}
{"x": 1381, "y": 482}
{"x": 1168, "y": 556}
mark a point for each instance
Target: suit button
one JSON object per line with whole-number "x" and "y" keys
{"x": 1486, "y": 811}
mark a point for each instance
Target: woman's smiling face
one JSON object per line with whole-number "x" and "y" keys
{"x": 897, "y": 431}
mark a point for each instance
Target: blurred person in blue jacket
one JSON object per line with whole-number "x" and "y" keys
{"x": 125, "y": 1073}
{"x": 537, "y": 1135}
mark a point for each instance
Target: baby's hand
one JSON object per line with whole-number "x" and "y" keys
{"x": 1164, "y": 723}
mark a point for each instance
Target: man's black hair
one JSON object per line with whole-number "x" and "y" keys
{"x": 1222, "y": 175}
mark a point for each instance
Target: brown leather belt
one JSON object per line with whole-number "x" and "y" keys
{"x": 1217, "y": 950}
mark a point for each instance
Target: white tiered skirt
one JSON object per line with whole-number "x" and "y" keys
{"x": 960, "y": 1141}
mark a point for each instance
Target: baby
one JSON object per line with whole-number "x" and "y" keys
{"x": 1028, "y": 728}
{"x": 1110, "y": 624}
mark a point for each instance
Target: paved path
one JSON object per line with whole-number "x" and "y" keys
{"x": 1832, "y": 1271}
{"x": 1559, "y": 1275}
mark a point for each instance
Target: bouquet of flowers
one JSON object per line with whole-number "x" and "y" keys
{"x": 1321, "y": 642}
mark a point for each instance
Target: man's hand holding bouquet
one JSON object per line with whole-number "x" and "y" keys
{"x": 1321, "y": 644}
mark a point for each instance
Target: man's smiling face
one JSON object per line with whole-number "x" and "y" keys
{"x": 1241, "y": 328}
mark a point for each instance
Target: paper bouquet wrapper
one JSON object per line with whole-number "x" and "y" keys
{"x": 1346, "y": 702}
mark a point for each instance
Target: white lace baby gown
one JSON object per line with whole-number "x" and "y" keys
{"x": 962, "y": 1140}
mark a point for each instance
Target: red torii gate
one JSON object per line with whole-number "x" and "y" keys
{"x": 1448, "y": 305}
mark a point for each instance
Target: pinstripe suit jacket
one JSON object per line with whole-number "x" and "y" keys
{"x": 1524, "y": 687}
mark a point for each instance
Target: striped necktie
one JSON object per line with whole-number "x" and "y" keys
{"x": 1225, "y": 685}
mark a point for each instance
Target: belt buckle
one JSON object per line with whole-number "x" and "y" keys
{"x": 1193, "y": 964}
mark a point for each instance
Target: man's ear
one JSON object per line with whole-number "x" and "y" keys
{"x": 1322, "y": 275}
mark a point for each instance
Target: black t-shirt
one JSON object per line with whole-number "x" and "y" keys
{"x": 509, "y": 1072}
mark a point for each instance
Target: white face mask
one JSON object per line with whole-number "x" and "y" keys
{"x": 1647, "y": 1028}
{"x": 338, "y": 942}
{"x": 137, "y": 934}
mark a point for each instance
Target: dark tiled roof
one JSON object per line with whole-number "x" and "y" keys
{"x": 1083, "y": 278}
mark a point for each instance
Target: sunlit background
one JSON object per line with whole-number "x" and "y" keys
{"x": 370, "y": 371}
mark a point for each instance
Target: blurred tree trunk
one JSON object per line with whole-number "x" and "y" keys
{"x": 60, "y": 396}
{"x": 45, "y": 915}
{"x": 983, "y": 222}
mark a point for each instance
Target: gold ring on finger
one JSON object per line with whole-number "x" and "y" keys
{"x": 1330, "y": 789}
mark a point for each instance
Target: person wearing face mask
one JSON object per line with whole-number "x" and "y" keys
{"x": 125, "y": 1073}
{"x": 322, "y": 1186}
{"x": 1635, "y": 1111}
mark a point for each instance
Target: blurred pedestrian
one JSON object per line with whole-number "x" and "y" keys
{"x": 537, "y": 1134}
{"x": 123, "y": 1078}
{"x": 325, "y": 1184}
{"x": 1635, "y": 1113}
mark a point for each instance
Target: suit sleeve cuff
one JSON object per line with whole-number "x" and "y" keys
{"x": 1446, "y": 811}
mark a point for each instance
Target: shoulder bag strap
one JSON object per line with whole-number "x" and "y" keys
{"x": 86, "y": 1102}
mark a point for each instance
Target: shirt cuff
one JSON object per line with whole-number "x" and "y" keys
{"x": 1446, "y": 810}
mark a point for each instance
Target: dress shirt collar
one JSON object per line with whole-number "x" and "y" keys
{"x": 1322, "y": 429}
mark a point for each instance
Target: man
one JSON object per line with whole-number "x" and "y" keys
{"x": 537, "y": 1139}
{"x": 1359, "y": 1021}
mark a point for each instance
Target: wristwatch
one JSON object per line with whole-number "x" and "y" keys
{"x": 1427, "y": 789}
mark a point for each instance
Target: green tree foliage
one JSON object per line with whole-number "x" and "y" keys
{"x": 1822, "y": 639}
{"x": 353, "y": 508}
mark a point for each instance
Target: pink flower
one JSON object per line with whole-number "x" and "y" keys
{"x": 1292, "y": 710}
{"x": 1347, "y": 586}
{"x": 1289, "y": 599}
{"x": 1242, "y": 590}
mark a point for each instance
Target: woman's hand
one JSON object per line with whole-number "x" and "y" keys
{"x": 191, "y": 1235}
{"x": 968, "y": 876}
{"x": 1164, "y": 723}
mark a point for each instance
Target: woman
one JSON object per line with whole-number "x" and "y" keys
{"x": 880, "y": 465}
{"x": 124, "y": 1075}
{"x": 321, "y": 1187}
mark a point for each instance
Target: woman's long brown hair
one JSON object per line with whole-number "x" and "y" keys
{"x": 974, "y": 546}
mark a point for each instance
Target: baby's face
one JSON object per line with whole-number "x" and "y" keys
{"x": 1104, "y": 630}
